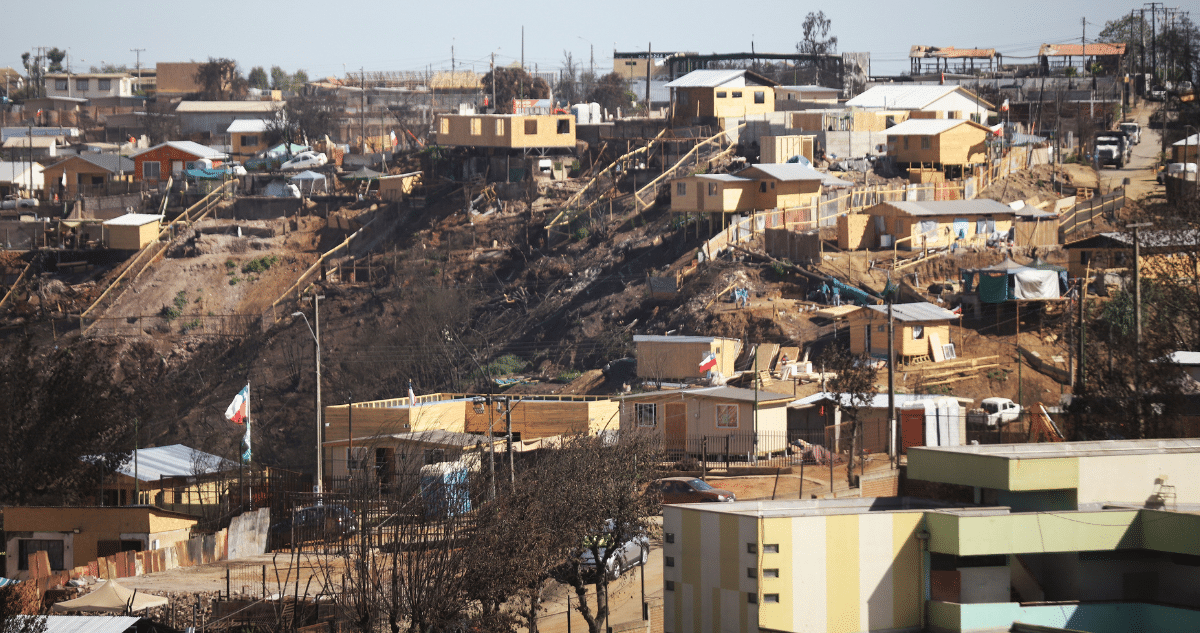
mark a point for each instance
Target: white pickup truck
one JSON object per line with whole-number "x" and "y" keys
{"x": 993, "y": 411}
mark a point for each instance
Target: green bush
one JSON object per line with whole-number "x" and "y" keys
{"x": 262, "y": 264}
{"x": 569, "y": 376}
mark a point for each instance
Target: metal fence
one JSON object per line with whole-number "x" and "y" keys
{"x": 832, "y": 443}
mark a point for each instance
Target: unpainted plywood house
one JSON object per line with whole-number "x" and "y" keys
{"x": 712, "y": 412}
{"x": 679, "y": 357}
{"x": 939, "y": 143}
{"x": 928, "y": 224}
{"x": 761, "y": 186}
{"x": 507, "y": 131}
{"x": 703, "y": 96}
{"x": 132, "y": 231}
{"x": 917, "y": 327}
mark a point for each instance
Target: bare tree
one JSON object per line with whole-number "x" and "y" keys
{"x": 853, "y": 385}
{"x": 220, "y": 79}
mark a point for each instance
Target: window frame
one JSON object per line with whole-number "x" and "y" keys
{"x": 712, "y": 189}
{"x": 62, "y": 84}
{"x": 83, "y": 83}
{"x": 721, "y": 94}
{"x": 681, "y": 188}
{"x": 531, "y": 127}
{"x": 926, "y": 142}
{"x": 918, "y": 332}
{"x": 563, "y": 126}
{"x": 760, "y": 96}
{"x": 23, "y": 552}
{"x": 104, "y": 84}
{"x": 772, "y": 598}
{"x": 737, "y": 94}
{"x": 771, "y": 548}
{"x": 722, "y": 412}
{"x": 643, "y": 411}
{"x": 157, "y": 169}
{"x": 772, "y": 572}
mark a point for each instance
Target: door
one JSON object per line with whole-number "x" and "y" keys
{"x": 176, "y": 167}
{"x": 676, "y": 429}
{"x": 912, "y": 428}
{"x": 867, "y": 339}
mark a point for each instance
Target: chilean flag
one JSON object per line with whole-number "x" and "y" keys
{"x": 240, "y": 406}
{"x": 709, "y": 362}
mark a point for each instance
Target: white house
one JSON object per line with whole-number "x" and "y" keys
{"x": 89, "y": 85}
{"x": 946, "y": 102}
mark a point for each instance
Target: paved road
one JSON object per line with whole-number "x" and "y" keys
{"x": 1140, "y": 170}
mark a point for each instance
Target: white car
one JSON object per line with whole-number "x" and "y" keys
{"x": 305, "y": 160}
{"x": 632, "y": 552}
{"x": 235, "y": 168}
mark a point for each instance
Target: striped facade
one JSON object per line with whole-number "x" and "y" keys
{"x": 857, "y": 571}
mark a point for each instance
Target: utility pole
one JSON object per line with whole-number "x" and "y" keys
{"x": 138, "y": 65}
{"x": 522, "y": 47}
{"x": 649, "y": 66}
{"x": 493, "y": 81}
{"x": 896, "y": 435}
{"x": 362, "y": 114}
{"x": 1137, "y": 320}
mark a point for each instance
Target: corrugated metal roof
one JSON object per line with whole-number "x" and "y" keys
{"x": 714, "y": 78}
{"x": 243, "y": 126}
{"x": 724, "y": 393}
{"x": 922, "y": 311}
{"x": 228, "y": 106}
{"x": 1191, "y": 140}
{"x": 90, "y": 623}
{"x": 133, "y": 219}
{"x": 723, "y": 177}
{"x": 657, "y": 338}
{"x": 923, "y": 127}
{"x": 191, "y": 147}
{"x": 900, "y": 97}
{"x": 978, "y": 206}
{"x": 42, "y": 142}
{"x": 107, "y": 162}
{"x": 432, "y": 436}
{"x": 175, "y": 460}
{"x": 786, "y": 171}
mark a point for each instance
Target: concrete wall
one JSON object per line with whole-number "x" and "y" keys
{"x": 248, "y": 533}
{"x": 1118, "y": 617}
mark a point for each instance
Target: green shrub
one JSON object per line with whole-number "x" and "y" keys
{"x": 262, "y": 264}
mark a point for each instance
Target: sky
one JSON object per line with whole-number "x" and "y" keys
{"x": 331, "y": 38}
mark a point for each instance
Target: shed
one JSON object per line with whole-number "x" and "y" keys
{"x": 919, "y": 327}
{"x": 173, "y": 477}
{"x": 938, "y": 142}
{"x": 395, "y": 188}
{"x": 685, "y": 416}
{"x": 1115, "y": 250}
{"x": 679, "y": 357}
{"x": 132, "y": 231}
{"x": 930, "y": 224}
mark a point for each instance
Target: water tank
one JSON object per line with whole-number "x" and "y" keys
{"x": 597, "y": 116}
{"x": 582, "y": 113}
{"x": 885, "y": 241}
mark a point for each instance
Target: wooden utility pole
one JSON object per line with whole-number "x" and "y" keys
{"x": 1137, "y": 320}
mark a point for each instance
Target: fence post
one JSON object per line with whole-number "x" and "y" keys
{"x": 703, "y": 456}
{"x": 227, "y": 583}
{"x": 264, "y": 567}
{"x": 726, "y": 453}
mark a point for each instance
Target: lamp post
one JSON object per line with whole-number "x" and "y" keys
{"x": 316, "y": 334}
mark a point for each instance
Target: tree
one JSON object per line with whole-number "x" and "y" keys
{"x": 611, "y": 92}
{"x": 513, "y": 83}
{"x": 853, "y": 384}
{"x": 568, "y": 80}
{"x": 220, "y": 80}
{"x": 304, "y": 119}
{"x": 258, "y": 78}
{"x": 299, "y": 78}
{"x": 109, "y": 68}
{"x": 161, "y": 123}
{"x": 816, "y": 38}
{"x": 280, "y": 79}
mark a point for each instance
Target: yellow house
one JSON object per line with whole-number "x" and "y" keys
{"x": 758, "y": 187}
{"x": 682, "y": 417}
{"x": 247, "y": 137}
{"x": 537, "y": 416}
{"x": 929, "y": 224}
{"x": 76, "y": 536}
{"x": 703, "y": 95}
{"x": 940, "y": 143}
{"x": 679, "y": 357}
{"x": 507, "y": 131}
{"x": 174, "y": 477}
{"x": 395, "y": 188}
{"x": 917, "y": 327}
{"x": 132, "y": 231}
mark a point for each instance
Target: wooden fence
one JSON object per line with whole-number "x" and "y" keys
{"x": 1084, "y": 213}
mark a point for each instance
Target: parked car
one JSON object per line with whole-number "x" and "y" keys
{"x": 691, "y": 490}
{"x": 305, "y": 160}
{"x": 313, "y": 524}
{"x": 632, "y": 552}
{"x": 992, "y": 411}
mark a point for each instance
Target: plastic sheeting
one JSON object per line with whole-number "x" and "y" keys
{"x": 1035, "y": 284}
{"x": 993, "y": 287}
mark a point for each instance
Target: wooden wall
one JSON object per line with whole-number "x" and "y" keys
{"x": 678, "y": 360}
{"x": 855, "y": 231}
{"x": 905, "y": 344}
{"x": 505, "y": 130}
{"x": 778, "y": 149}
{"x": 794, "y": 246}
{"x": 1036, "y": 233}
{"x": 535, "y": 419}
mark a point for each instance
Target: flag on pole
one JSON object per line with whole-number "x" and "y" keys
{"x": 412, "y": 398}
{"x": 709, "y": 362}
{"x": 1004, "y": 106}
{"x": 246, "y": 443}
{"x": 240, "y": 407}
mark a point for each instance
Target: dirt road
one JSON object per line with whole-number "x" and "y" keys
{"x": 1140, "y": 168}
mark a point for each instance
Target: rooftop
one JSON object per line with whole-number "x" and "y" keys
{"x": 251, "y": 126}
{"x": 878, "y": 400}
{"x": 905, "y": 97}
{"x": 1054, "y": 450}
{"x": 229, "y": 106}
{"x": 978, "y": 206}
{"x": 1077, "y": 50}
{"x": 658, "y": 338}
{"x": 949, "y": 52}
{"x": 191, "y": 147}
{"x": 175, "y": 460}
{"x": 723, "y": 393}
{"x": 432, "y": 436}
{"x": 819, "y": 507}
{"x": 133, "y": 219}
{"x": 926, "y": 127}
{"x": 107, "y": 162}
{"x": 716, "y": 78}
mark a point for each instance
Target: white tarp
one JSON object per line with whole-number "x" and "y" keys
{"x": 1035, "y": 284}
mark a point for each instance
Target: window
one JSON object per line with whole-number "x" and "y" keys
{"x": 751, "y": 572}
{"x": 249, "y": 140}
{"x": 771, "y": 549}
{"x": 668, "y": 561}
{"x": 669, "y": 537}
{"x": 727, "y": 416}
{"x": 770, "y": 597}
{"x": 60, "y": 84}
{"x": 881, "y": 328}
{"x": 918, "y": 332}
{"x": 752, "y": 598}
{"x": 356, "y": 457}
{"x": 82, "y": 84}
{"x": 476, "y": 127}
{"x": 770, "y": 573}
{"x": 151, "y": 170}
{"x": 772, "y": 185}
{"x": 682, "y": 98}
{"x": 681, "y": 188}
{"x": 751, "y": 548}
{"x": 906, "y": 142}
{"x": 564, "y": 126}
{"x": 104, "y": 84}
{"x": 499, "y": 127}
{"x": 737, "y": 94}
{"x": 712, "y": 188}
{"x": 925, "y": 144}
{"x": 760, "y": 96}
{"x": 721, "y": 94}
{"x": 889, "y": 121}
{"x": 52, "y": 547}
{"x": 647, "y": 414}
{"x": 531, "y": 126}
{"x": 669, "y": 585}
{"x": 762, "y": 187}
{"x": 444, "y": 126}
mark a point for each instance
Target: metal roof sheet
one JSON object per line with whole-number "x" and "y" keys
{"x": 11, "y": 171}
{"x": 133, "y": 219}
{"x": 722, "y": 177}
{"x": 923, "y": 127}
{"x": 714, "y": 78}
{"x": 107, "y": 162}
{"x": 724, "y": 393}
{"x": 90, "y": 623}
{"x": 878, "y": 400}
{"x": 43, "y": 142}
{"x": 191, "y": 147}
{"x": 1191, "y": 140}
{"x": 921, "y": 311}
{"x": 229, "y": 106}
{"x": 175, "y": 460}
{"x": 900, "y": 97}
{"x": 977, "y": 206}
{"x": 1184, "y": 358}
{"x": 656, "y": 338}
{"x": 786, "y": 171}
{"x": 243, "y": 126}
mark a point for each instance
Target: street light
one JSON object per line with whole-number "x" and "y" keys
{"x": 316, "y": 334}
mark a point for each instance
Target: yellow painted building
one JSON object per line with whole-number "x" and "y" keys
{"x": 755, "y": 188}
{"x": 76, "y": 536}
{"x": 932, "y": 224}
{"x": 917, "y": 326}
{"x": 938, "y": 142}
{"x": 132, "y": 231}
{"x": 720, "y": 94}
{"x": 507, "y": 131}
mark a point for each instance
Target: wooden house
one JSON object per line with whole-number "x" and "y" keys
{"x": 174, "y": 477}
{"x": 158, "y": 163}
{"x": 398, "y": 187}
{"x": 938, "y": 143}
{"x": 684, "y": 416}
{"x": 942, "y": 101}
{"x": 1185, "y": 149}
{"x": 396, "y": 415}
{"x": 537, "y": 416}
{"x": 507, "y": 131}
{"x": 758, "y": 187}
{"x": 74, "y": 536}
{"x": 19, "y": 178}
{"x": 793, "y": 97}
{"x": 86, "y": 174}
{"x": 929, "y": 224}
{"x": 705, "y": 96}
{"x": 380, "y": 458}
{"x": 247, "y": 137}
{"x": 1163, "y": 254}
{"x": 781, "y": 149}
{"x": 132, "y": 231}
{"x": 678, "y": 357}
{"x": 846, "y": 120}
{"x": 918, "y": 328}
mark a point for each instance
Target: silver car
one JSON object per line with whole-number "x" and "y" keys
{"x": 631, "y": 553}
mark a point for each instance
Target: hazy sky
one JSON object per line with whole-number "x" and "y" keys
{"x": 325, "y": 37}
